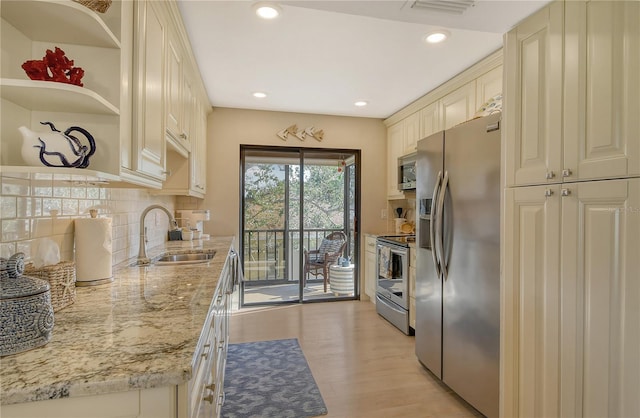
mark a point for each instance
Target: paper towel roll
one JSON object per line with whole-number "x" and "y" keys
{"x": 93, "y": 250}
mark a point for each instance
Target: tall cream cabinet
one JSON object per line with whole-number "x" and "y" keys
{"x": 570, "y": 342}
{"x": 452, "y": 103}
{"x": 582, "y": 123}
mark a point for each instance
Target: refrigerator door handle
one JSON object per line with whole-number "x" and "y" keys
{"x": 439, "y": 246}
{"x": 434, "y": 223}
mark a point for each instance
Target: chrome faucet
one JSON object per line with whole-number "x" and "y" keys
{"x": 142, "y": 253}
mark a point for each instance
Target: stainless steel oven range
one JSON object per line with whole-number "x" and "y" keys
{"x": 392, "y": 280}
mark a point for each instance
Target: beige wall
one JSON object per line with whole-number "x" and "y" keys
{"x": 229, "y": 128}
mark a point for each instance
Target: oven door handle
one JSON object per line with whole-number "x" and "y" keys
{"x": 434, "y": 224}
{"x": 439, "y": 244}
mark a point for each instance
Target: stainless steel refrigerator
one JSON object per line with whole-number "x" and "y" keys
{"x": 458, "y": 259}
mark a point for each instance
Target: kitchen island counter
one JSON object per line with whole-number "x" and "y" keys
{"x": 139, "y": 331}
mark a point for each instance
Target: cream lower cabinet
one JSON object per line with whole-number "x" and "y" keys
{"x": 201, "y": 397}
{"x": 570, "y": 337}
{"x": 370, "y": 269}
{"x": 412, "y": 287}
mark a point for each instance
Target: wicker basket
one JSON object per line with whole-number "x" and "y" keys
{"x": 61, "y": 278}
{"x": 100, "y": 6}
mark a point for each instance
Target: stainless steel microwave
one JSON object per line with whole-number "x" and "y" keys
{"x": 407, "y": 172}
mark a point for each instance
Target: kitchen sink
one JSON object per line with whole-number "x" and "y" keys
{"x": 180, "y": 257}
{"x": 189, "y": 258}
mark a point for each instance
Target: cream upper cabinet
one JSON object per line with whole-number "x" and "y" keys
{"x": 602, "y": 90}
{"x": 531, "y": 302}
{"x": 179, "y": 96}
{"x": 411, "y": 133}
{"x": 150, "y": 64}
{"x": 600, "y": 288}
{"x": 174, "y": 106}
{"x": 533, "y": 94}
{"x": 487, "y": 86}
{"x": 395, "y": 145}
{"x": 458, "y": 106}
{"x": 199, "y": 151}
{"x": 429, "y": 120}
{"x": 99, "y": 43}
{"x": 188, "y": 176}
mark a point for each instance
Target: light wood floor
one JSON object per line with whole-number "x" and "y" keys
{"x": 363, "y": 366}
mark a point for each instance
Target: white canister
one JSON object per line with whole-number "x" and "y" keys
{"x": 399, "y": 222}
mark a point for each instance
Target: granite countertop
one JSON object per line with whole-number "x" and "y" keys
{"x": 140, "y": 331}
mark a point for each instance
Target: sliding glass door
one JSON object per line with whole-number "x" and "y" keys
{"x": 299, "y": 216}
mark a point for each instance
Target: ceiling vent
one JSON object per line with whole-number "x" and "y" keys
{"x": 456, "y": 7}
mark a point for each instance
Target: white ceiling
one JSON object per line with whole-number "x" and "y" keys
{"x": 322, "y": 56}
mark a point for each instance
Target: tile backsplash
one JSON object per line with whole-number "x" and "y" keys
{"x": 33, "y": 207}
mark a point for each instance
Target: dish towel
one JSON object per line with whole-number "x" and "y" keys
{"x": 385, "y": 266}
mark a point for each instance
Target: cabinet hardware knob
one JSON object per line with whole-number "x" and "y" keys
{"x": 565, "y": 192}
{"x": 550, "y": 175}
{"x": 183, "y": 136}
{"x": 566, "y": 172}
{"x": 208, "y": 398}
{"x": 211, "y": 387}
{"x": 548, "y": 192}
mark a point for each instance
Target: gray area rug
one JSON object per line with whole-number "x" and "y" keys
{"x": 270, "y": 379}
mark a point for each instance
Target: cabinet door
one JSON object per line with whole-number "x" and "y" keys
{"x": 411, "y": 133}
{"x": 150, "y": 59}
{"x": 533, "y": 94}
{"x": 458, "y": 106}
{"x": 199, "y": 157}
{"x": 395, "y": 138}
{"x": 600, "y": 334}
{"x": 488, "y": 85}
{"x": 370, "y": 268}
{"x": 188, "y": 108}
{"x": 530, "y": 303}
{"x": 602, "y": 90}
{"x": 429, "y": 120}
{"x": 173, "y": 101}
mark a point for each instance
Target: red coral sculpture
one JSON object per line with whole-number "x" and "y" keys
{"x": 54, "y": 66}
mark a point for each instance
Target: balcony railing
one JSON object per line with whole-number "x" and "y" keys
{"x": 273, "y": 256}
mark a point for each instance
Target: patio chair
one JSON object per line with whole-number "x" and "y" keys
{"x": 317, "y": 262}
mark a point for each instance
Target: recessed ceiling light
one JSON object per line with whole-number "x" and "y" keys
{"x": 360, "y": 103}
{"x": 259, "y": 95}
{"x": 437, "y": 36}
{"x": 267, "y": 10}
